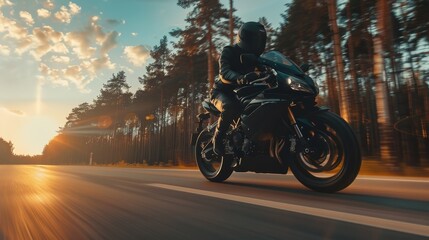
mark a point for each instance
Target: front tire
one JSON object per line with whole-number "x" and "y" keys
{"x": 334, "y": 160}
{"x": 214, "y": 168}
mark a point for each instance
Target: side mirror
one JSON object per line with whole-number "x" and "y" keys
{"x": 248, "y": 59}
{"x": 305, "y": 67}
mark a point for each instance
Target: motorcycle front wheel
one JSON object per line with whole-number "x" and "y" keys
{"x": 331, "y": 160}
{"x": 215, "y": 168}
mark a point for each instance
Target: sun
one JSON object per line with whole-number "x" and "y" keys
{"x": 36, "y": 133}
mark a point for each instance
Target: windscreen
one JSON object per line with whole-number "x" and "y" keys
{"x": 277, "y": 57}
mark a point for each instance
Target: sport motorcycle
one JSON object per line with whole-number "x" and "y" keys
{"x": 281, "y": 127}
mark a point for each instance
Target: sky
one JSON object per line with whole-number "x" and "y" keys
{"x": 56, "y": 54}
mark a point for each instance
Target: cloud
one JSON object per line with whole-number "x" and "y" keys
{"x": 65, "y": 58}
{"x": 60, "y": 48}
{"x": 46, "y": 38}
{"x": 65, "y": 14}
{"x": 17, "y": 112}
{"x": 26, "y": 16}
{"x": 73, "y": 70}
{"x": 137, "y": 55}
{"x": 4, "y": 50}
{"x": 43, "y": 13}
{"x": 75, "y": 74}
{"x": 84, "y": 42}
{"x": 5, "y": 3}
{"x": 60, "y": 59}
{"x": 96, "y": 30}
{"x": 48, "y": 4}
{"x": 11, "y": 28}
{"x": 14, "y": 112}
{"x": 14, "y": 31}
{"x": 23, "y": 44}
{"x": 55, "y": 76}
{"x": 81, "y": 41}
{"x": 109, "y": 43}
{"x": 74, "y": 8}
{"x": 78, "y": 74}
{"x": 114, "y": 22}
{"x": 101, "y": 63}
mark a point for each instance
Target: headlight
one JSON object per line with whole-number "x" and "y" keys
{"x": 297, "y": 85}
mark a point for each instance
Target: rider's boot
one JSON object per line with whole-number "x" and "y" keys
{"x": 219, "y": 135}
{"x": 218, "y": 142}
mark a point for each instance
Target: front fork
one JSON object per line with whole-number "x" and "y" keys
{"x": 301, "y": 139}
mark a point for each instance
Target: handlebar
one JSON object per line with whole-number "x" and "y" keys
{"x": 261, "y": 80}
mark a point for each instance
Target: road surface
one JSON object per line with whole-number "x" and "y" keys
{"x": 83, "y": 202}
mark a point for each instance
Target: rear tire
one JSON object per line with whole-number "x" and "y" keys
{"x": 214, "y": 168}
{"x": 336, "y": 160}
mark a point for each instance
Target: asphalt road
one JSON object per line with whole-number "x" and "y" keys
{"x": 82, "y": 202}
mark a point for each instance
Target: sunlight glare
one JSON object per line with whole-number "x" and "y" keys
{"x": 40, "y": 195}
{"x": 37, "y": 133}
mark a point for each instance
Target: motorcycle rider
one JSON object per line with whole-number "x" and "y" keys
{"x": 251, "y": 39}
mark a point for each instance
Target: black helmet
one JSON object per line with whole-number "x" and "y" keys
{"x": 252, "y": 38}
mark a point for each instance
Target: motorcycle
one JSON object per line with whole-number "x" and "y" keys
{"x": 281, "y": 127}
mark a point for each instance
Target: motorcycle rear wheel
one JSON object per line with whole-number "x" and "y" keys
{"x": 214, "y": 168}
{"x": 334, "y": 160}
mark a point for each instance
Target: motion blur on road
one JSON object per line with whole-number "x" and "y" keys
{"x": 77, "y": 202}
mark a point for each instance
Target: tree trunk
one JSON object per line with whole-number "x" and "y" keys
{"x": 408, "y": 46}
{"x": 161, "y": 130}
{"x": 357, "y": 113}
{"x": 210, "y": 53}
{"x": 383, "y": 113}
{"x": 332, "y": 96}
{"x": 231, "y": 23}
{"x": 344, "y": 104}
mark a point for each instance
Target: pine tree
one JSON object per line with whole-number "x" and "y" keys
{"x": 158, "y": 69}
{"x": 209, "y": 18}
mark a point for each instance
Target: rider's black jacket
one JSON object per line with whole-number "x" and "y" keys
{"x": 231, "y": 69}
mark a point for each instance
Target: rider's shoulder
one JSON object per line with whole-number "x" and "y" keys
{"x": 230, "y": 49}
{"x": 233, "y": 46}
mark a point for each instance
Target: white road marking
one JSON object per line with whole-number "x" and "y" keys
{"x": 164, "y": 169}
{"x": 395, "y": 179}
{"x": 406, "y": 227}
{"x": 364, "y": 177}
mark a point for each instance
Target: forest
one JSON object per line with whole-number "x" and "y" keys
{"x": 370, "y": 60}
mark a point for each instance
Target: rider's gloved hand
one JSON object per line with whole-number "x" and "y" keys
{"x": 248, "y": 78}
{"x": 271, "y": 80}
